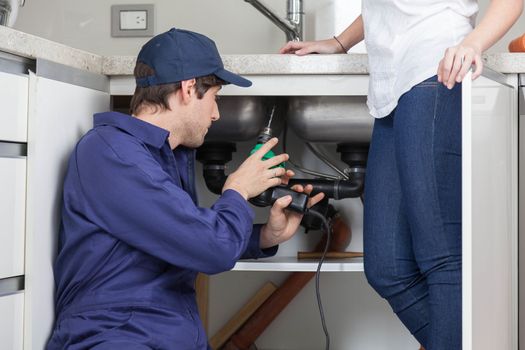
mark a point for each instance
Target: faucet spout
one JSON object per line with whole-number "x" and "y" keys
{"x": 293, "y": 25}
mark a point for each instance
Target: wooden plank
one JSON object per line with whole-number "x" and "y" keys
{"x": 202, "y": 286}
{"x": 242, "y": 315}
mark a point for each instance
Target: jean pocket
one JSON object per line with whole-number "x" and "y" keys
{"x": 430, "y": 82}
{"x": 426, "y": 85}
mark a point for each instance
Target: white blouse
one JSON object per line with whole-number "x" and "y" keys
{"x": 405, "y": 40}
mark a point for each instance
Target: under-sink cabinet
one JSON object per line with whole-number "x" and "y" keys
{"x": 60, "y": 112}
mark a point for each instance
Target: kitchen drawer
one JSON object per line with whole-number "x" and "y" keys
{"x": 12, "y": 215}
{"x": 12, "y": 321}
{"x": 13, "y": 113}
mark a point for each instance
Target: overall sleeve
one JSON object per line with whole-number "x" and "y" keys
{"x": 254, "y": 251}
{"x": 130, "y": 196}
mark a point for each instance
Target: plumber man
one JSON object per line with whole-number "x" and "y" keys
{"x": 132, "y": 236}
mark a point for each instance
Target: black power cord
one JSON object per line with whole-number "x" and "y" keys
{"x": 318, "y": 273}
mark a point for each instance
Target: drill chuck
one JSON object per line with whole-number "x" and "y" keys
{"x": 265, "y": 135}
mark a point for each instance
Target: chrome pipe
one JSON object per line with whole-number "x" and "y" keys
{"x": 295, "y": 15}
{"x": 294, "y": 23}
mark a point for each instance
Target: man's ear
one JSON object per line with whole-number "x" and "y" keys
{"x": 188, "y": 90}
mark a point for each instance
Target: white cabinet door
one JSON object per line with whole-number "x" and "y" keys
{"x": 13, "y": 99}
{"x": 59, "y": 114}
{"x": 12, "y": 321}
{"x": 490, "y": 127}
{"x": 12, "y": 215}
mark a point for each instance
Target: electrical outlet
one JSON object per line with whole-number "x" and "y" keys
{"x": 132, "y": 20}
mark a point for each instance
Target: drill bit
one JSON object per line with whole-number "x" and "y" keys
{"x": 271, "y": 116}
{"x": 266, "y": 134}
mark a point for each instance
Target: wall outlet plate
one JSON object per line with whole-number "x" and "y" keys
{"x": 132, "y": 20}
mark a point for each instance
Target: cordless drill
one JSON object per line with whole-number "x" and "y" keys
{"x": 268, "y": 197}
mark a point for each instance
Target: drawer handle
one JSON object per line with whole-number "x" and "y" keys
{"x": 13, "y": 149}
{"x": 11, "y": 285}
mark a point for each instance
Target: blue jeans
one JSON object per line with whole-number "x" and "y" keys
{"x": 412, "y": 215}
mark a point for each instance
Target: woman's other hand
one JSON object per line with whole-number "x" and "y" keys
{"x": 456, "y": 63}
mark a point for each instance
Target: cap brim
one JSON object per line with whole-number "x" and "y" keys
{"x": 232, "y": 78}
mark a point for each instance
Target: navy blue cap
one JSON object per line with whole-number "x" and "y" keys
{"x": 178, "y": 55}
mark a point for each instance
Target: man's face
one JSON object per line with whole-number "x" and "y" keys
{"x": 205, "y": 112}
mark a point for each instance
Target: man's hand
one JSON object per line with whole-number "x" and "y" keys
{"x": 282, "y": 224}
{"x": 255, "y": 175}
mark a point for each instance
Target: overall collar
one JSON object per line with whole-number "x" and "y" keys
{"x": 144, "y": 131}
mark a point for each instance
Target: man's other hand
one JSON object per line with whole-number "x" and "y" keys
{"x": 282, "y": 224}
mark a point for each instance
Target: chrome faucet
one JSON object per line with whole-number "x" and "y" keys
{"x": 293, "y": 26}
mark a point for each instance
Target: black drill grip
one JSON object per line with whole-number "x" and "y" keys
{"x": 268, "y": 197}
{"x": 299, "y": 200}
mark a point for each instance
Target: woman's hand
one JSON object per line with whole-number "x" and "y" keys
{"x": 302, "y": 48}
{"x": 352, "y": 35}
{"x": 457, "y": 62}
{"x": 282, "y": 224}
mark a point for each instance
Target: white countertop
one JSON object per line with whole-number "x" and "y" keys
{"x": 265, "y": 64}
{"x": 27, "y": 45}
{"x": 31, "y": 46}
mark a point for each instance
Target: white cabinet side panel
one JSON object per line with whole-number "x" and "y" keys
{"x": 59, "y": 115}
{"x": 489, "y": 215}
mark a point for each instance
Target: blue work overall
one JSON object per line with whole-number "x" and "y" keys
{"x": 132, "y": 240}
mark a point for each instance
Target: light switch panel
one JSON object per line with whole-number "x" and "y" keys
{"x": 132, "y": 20}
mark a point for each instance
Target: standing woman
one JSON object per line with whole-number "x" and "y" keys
{"x": 418, "y": 53}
